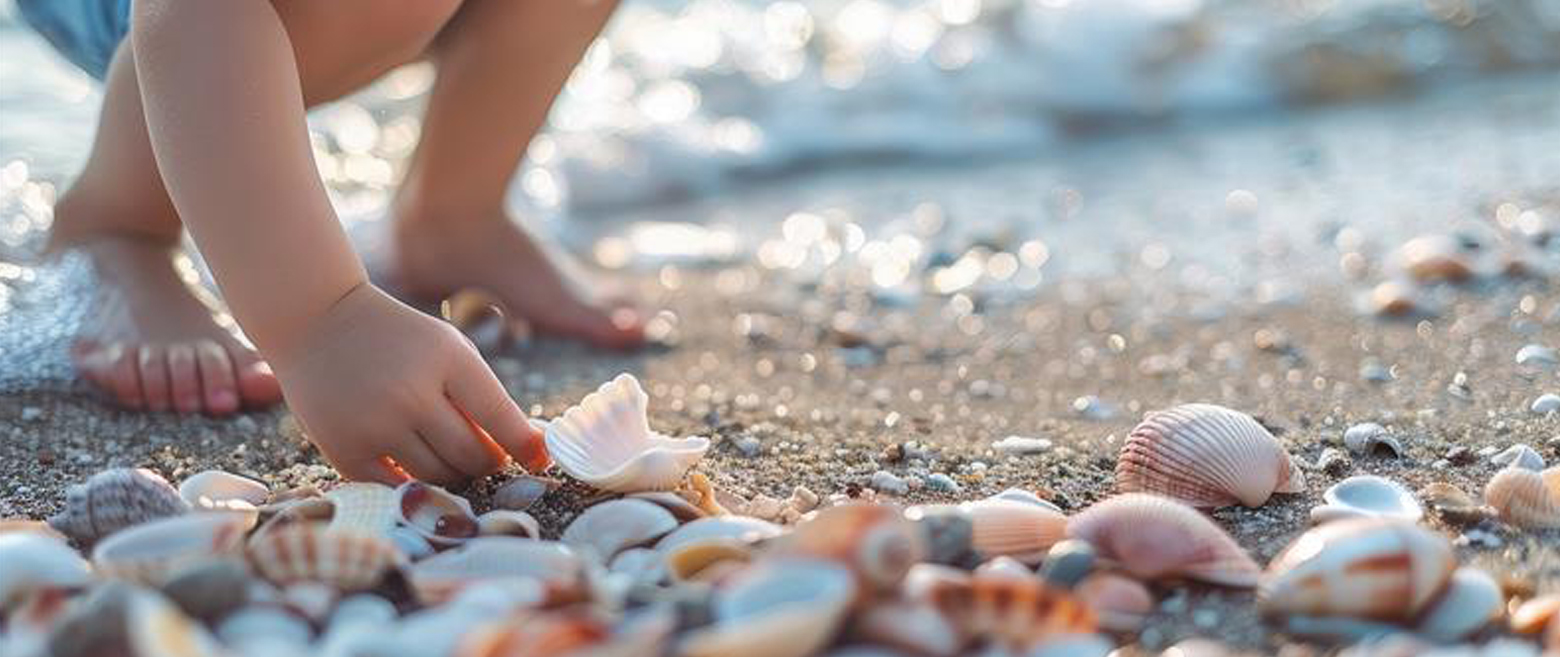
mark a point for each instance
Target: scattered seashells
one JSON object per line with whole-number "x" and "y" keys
{"x": 215, "y": 489}
{"x": 364, "y": 507}
{"x": 1433, "y": 258}
{"x": 1471, "y": 600}
{"x": 1519, "y": 456}
{"x": 1371, "y": 439}
{"x": 152, "y": 552}
{"x": 440, "y": 516}
{"x": 347, "y": 561}
{"x": 1367, "y": 496}
{"x": 778, "y": 608}
{"x": 1205, "y": 456}
{"x": 606, "y": 442}
{"x": 114, "y": 499}
{"x": 504, "y": 522}
{"x": 29, "y": 562}
{"x": 607, "y": 528}
{"x": 1524, "y": 498}
{"x": 1156, "y": 537}
{"x": 1017, "y": 614}
{"x": 1369, "y": 568}
{"x": 1018, "y": 529}
{"x": 875, "y": 541}
{"x": 552, "y": 567}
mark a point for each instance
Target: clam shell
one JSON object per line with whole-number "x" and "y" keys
{"x": 1367, "y": 496}
{"x": 530, "y": 633}
{"x": 363, "y": 507}
{"x": 504, "y": 522}
{"x": 691, "y": 562}
{"x": 740, "y": 530}
{"x": 520, "y": 493}
{"x": 683, "y": 509}
{"x": 442, "y": 517}
{"x": 347, "y": 561}
{"x": 607, "y": 528}
{"x": 215, "y": 489}
{"x": 151, "y": 553}
{"x": 780, "y": 608}
{"x": 606, "y": 442}
{"x": 1022, "y": 530}
{"x": 875, "y": 541}
{"x": 114, "y": 499}
{"x": 1120, "y": 603}
{"x": 1156, "y": 537}
{"x": 1370, "y": 568}
{"x": 495, "y": 558}
{"x": 1431, "y": 258}
{"x": 1206, "y": 456}
{"x": 1524, "y": 498}
{"x": 156, "y": 627}
{"x": 1471, "y": 600}
{"x": 29, "y": 562}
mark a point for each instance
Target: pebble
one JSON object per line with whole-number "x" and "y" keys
{"x": 884, "y": 481}
{"x": 1093, "y": 408}
{"x": 1519, "y": 456}
{"x": 1546, "y": 403}
{"x": 1537, "y": 355}
{"x": 1375, "y": 373}
{"x": 949, "y": 534}
{"x": 749, "y": 446}
{"x": 942, "y": 483}
{"x": 520, "y": 493}
{"x": 1022, "y": 445}
{"x": 1068, "y": 562}
{"x": 1460, "y": 455}
{"x": 31, "y": 414}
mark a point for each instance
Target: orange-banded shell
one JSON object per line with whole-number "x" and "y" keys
{"x": 152, "y": 552}
{"x": 1156, "y": 537}
{"x": 1531, "y": 616}
{"x": 531, "y": 633}
{"x": 347, "y": 561}
{"x": 875, "y": 541}
{"x": 1006, "y": 527}
{"x": 112, "y": 500}
{"x": 1018, "y": 613}
{"x": 1206, "y": 456}
{"x": 1525, "y": 498}
{"x": 1373, "y": 568}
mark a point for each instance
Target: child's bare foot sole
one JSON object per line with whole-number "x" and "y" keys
{"x": 152, "y": 344}
{"x": 437, "y": 256}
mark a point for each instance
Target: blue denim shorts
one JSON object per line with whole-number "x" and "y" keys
{"x": 85, "y": 31}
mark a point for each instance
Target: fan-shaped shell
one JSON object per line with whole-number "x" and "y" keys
{"x": 1206, "y": 456}
{"x": 1156, "y": 537}
{"x": 114, "y": 499}
{"x": 150, "y": 553}
{"x": 1022, "y": 530}
{"x": 1372, "y": 568}
{"x": 442, "y": 517}
{"x": 215, "y": 489}
{"x": 607, "y": 528}
{"x": 347, "y": 561}
{"x": 551, "y": 565}
{"x": 1367, "y": 496}
{"x": 780, "y": 608}
{"x": 30, "y": 561}
{"x": 364, "y": 507}
{"x": 1525, "y": 498}
{"x": 606, "y": 442}
{"x": 875, "y": 541}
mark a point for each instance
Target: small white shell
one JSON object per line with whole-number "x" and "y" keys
{"x": 364, "y": 507}
{"x": 494, "y": 559}
{"x": 1519, "y": 456}
{"x": 507, "y": 522}
{"x": 1367, "y": 496}
{"x": 213, "y": 489}
{"x": 152, "y": 552}
{"x": 1371, "y": 568}
{"x": 736, "y": 529}
{"x": 1154, "y": 537}
{"x": 1524, "y": 498}
{"x": 1471, "y": 600}
{"x": 606, "y": 442}
{"x": 442, "y": 517}
{"x": 781, "y": 608}
{"x": 1206, "y": 456}
{"x": 607, "y": 528}
{"x": 31, "y": 561}
{"x": 1369, "y": 438}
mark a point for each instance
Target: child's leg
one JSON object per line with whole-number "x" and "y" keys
{"x": 500, "y": 64}
{"x": 149, "y": 340}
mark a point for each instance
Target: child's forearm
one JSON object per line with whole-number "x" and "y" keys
{"x": 226, "y": 115}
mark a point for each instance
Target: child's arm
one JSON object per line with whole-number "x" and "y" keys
{"x": 368, "y": 376}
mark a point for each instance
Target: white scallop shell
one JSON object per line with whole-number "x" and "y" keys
{"x": 150, "y": 553}
{"x": 215, "y": 489}
{"x": 606, "y": 442}
{"x": 1524, "y": 498}
{"x": 1154, "y": 537}
{"x": 1471, "y": 600}
{"x": 780, "y": 608}
{"x": 1371, "y": 568}
{"x": 1367, "y": 496}
{"x": 364, "y": 507}
{"x": 1206, "y": 456}
{"x": 607, "y": 528}
{"x": 30, "y": 561}
{"x": 494, "y": 559}
{"x": 1022, "y": 530}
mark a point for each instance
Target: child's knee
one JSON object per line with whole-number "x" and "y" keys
{"x": 419, "y": 21}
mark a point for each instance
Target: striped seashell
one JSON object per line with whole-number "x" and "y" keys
{"x": 1022, "y": 530}
{"x": 150, "y": 553}
{"x": 1367, "y": 568}
{"x": 1206, "y": 456}
{"x": 1156, "y": 537}
{"x": 875, "y": 541}
{"x": 344, "y": 560}
{"x": 606, "y": 442}
{"x": 1524, "y": 498}
{"x": 442, "y": 517}
{"x": 914, "y": 627}
{"x": 1016, "y": 613}
{"x": 608, "y": 528}
{"x": 112, "y": 500}
{"x": 364, "y": 507}
{"x": 1533, "y": 615}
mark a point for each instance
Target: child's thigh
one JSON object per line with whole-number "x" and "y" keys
{"x": 344, "y": 44}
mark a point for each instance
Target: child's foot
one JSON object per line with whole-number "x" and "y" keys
{"x": 152, "y": 344}
{"x": 436, "y": 257}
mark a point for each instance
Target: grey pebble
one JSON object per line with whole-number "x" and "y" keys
{"x": 942, "y": 483}
{"x": 887, "y": 482}
{"x": 1067, "y": 563}
{"x": 1537, "y": 355}
{"x": 1546, "y": 403}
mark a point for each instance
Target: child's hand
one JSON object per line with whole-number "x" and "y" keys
{"x": 373, "y": 379}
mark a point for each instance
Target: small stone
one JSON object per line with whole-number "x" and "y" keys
{"x": 31, "y": 414}
{"x": 1375, "y": 373}
{"x": 764, "y": 507}
{"x": 1334, "y": 462}
{"x": 1519, "y": 456}
{"x": 942, "y": 483}
{"x": 1022, "y": 445}
{"x": 1067, "y": 563}
{"x": 1205, "y": 618}
{"x": 1090, "y": 407}
{"x": 1453, "y": 504}
{"x": 1460, "y": 455}
{"x": 1480, "y": 538}
{"x": 949, "y": 532}
{"x": 246, "y": 424}
{"x": 1459, "y": 387}
{"x": 1546, "y": 403}
{"x": 1537, "y": 355}
{"x": 210, "y": 592}
{"x": 749, "y": 446}
{"x": 802, "y": 499}
{"x": 884, "y": 481}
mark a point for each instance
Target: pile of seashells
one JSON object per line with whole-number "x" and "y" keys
{"x": 221, "y": 565}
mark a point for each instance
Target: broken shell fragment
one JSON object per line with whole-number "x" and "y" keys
{"x": 364, "y": 507}
{"x": 681, "y": 508}
{"x": 215, "y": 489}
{"x": 1367, "y": 568}
{"x": 778, "y": 608}
{"x": 1524, "y": 498}
{"x": 520, "y": 493}
{"x": 1367, "y": 496}
{"x": 606, "y": 442}
{"x": 607, "y": 528}
{"x": 1371, "y": 439}
{"x": 346, "y": 561}
{"x": 439, "y": 515}
{"x": 505, "y": 522}
{"x": 1156, "y": 537}
{"x": 114, "y": 499}
{"x": 1452, "y": 504}
{"x": 150, "y": 553}
{"x": 1205, "y": 456}
{"x": 1018, "y": 529}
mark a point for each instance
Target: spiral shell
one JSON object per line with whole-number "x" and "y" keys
{"x": 346, "y": 561}
{"x": 114, "y": 499}
{"x": 1156, "y": 537}
{"x": 1525, "y": 498}
{"x": 606, "y": 442}
{"x": 1369, "y": 568}
{"x": 1206, "y": 456}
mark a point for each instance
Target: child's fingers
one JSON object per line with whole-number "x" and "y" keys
{"x": 417, "y": 457}
{"x": 366, "y": 468}
{"x": 478, "y": 394}
{"x": 460, "y": 443}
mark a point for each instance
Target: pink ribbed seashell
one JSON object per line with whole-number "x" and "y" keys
{"x": 1024, "y": 531}
{"x": 1206, "y": 456}
{"x": 1377, "y": 568}
{"x": 1156, "y": 537}
{"x": 1525, "y": 498}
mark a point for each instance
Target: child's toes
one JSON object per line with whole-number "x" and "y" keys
{"x": 153, "y": 365}
{"x": 218, "y": 385}
{"x": 184, "y": 378}
{"x": 257, "y": 384}
{"x": 115, "y": 369}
